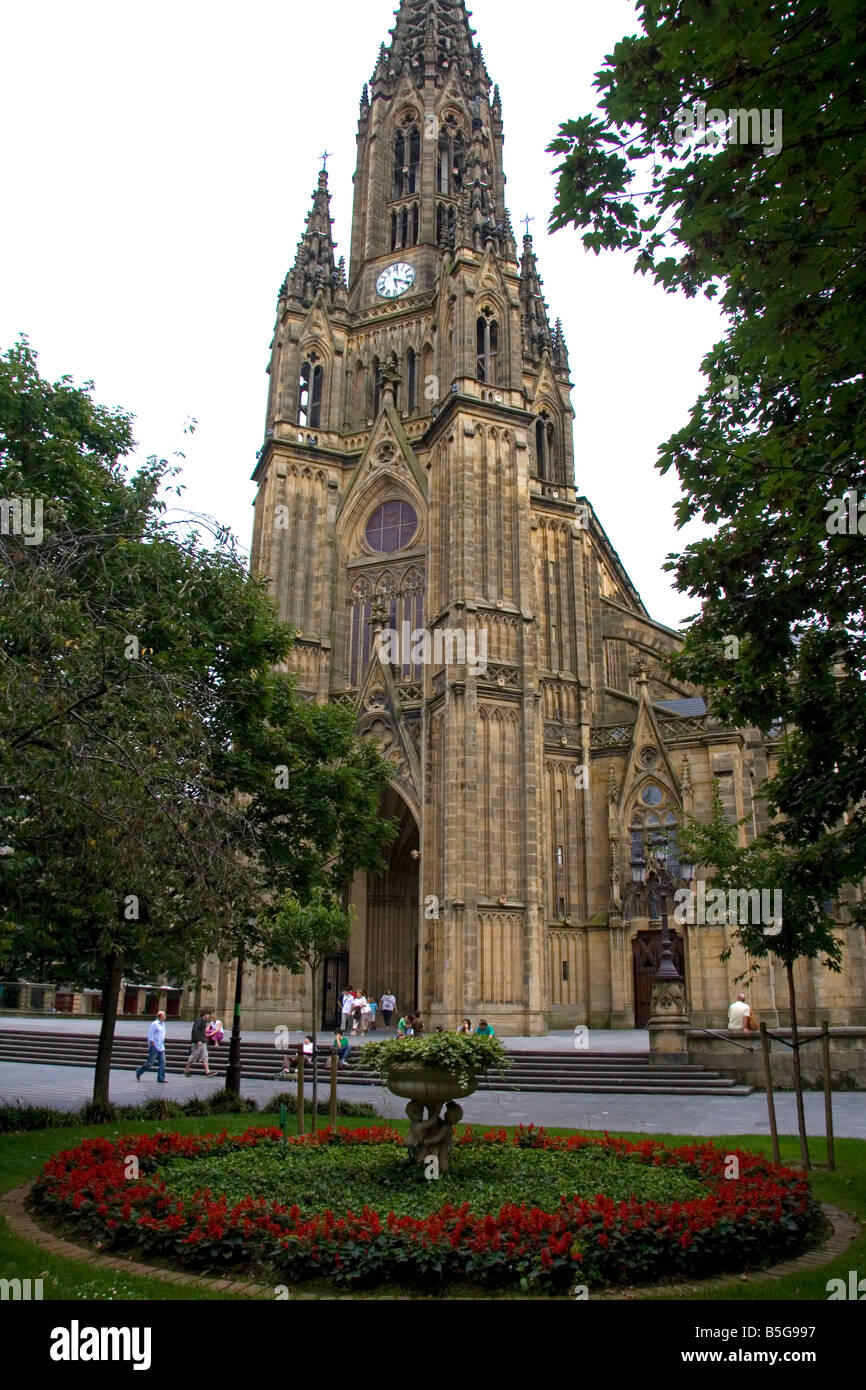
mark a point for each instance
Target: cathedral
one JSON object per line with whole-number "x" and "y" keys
{"x": 418, "y": 477}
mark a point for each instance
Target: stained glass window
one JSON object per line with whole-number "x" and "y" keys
{"x": 391, "y": 527}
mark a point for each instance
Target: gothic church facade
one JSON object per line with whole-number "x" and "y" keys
{"x": 418, "y": 469}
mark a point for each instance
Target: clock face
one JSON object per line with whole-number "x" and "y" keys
{"x": 395, "y": 280}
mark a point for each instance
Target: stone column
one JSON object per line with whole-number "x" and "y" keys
{"x": 669, "y": 1023}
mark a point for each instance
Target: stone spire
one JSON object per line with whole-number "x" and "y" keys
{"x": 315, "y": 265}
{"x": 560, "y": 349}
{"x": 437, "y": 32}
{"x": 536, "y": 326}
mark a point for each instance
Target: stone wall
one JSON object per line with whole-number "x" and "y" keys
{"x": 721, "y": 1054}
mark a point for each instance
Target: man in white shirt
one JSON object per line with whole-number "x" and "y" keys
{"x": 346, "y": 1006}
{"x": 738, "y": 1013}
{"x": 155, "y": 1049}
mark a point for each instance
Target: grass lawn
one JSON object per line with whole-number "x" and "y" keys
{"x": 22, "y": 1155}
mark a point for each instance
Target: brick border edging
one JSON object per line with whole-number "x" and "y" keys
{"x": 844, "y": 1229}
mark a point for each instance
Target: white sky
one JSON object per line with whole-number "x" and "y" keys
{"x": 159, "y": 164}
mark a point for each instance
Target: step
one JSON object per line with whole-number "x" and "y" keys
{"x": 582, "y": 1073}
{"x": 661, "y": 1085}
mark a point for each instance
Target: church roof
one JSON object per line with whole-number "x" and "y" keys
{"x": 685, "y": 708}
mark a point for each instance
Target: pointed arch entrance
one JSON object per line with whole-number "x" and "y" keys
{"x": 391, "y": 945}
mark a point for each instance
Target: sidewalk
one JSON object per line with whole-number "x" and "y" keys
{"x": 68, "y": 1088}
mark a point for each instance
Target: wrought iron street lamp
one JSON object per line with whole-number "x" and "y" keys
{"x": 654, "y": 870}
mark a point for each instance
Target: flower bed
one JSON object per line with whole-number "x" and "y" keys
{"x": 764, "y": 1214}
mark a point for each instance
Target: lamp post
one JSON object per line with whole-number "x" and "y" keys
{"x": 668, "y": 1024}
{"x": 233, "y": 1071}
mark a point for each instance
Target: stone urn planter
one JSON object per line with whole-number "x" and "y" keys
{"x": 430, "y": 1071}
{"x": 430, "y": 1137}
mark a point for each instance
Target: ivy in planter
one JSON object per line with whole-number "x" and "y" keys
{"x": 466, "y": 1057}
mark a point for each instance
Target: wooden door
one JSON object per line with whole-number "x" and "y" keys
{"x": 646, "y": 955}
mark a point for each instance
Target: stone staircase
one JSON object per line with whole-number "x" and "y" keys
{"x": 580, "y": 1073}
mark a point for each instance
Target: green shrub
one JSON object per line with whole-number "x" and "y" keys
{"x": 15, "y": 1118}
{"x": 196, "y": 1106}
{"x": 286, "y": 1098}
{"x": 97, "y": 1113}
{"x": 467, "y": 1057}
{"x": 159, "y": 1109}
{"x": 344, "y": 1107}
{"x": 361, "y": 1108}
{"x": 229, "y": 1103}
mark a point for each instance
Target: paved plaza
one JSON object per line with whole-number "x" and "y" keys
{"x": 69, "y": 1088}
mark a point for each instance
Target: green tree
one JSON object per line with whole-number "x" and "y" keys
{"x": 299, "y": 935}
{"x": 768, "y": 214}
{"x": 805, "y": 931}
{"x": 142, "y": 713}
{"x": 130, "y": 658}
{"x": 312, "y": 794}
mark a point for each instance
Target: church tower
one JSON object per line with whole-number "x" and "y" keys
{"x": 417, "y": 480}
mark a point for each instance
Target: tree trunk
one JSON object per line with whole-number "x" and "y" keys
{"x": 315, "y": 1121}
{"x": 110, "y": 992}
{"x": 233, "y": 1074}
{"x": 798, "y": 1079}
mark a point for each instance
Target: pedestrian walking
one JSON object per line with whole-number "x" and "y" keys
{"x": 373, "y": 1006}
{"x": 366, "y": 1015}
{"x": 346, "y": 1007}
{"x": 155, "y": 1049}
{"x": 198, "y": 1051}
{"x": 388, "y": 1005}
{"x": 359, "y": 1003}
